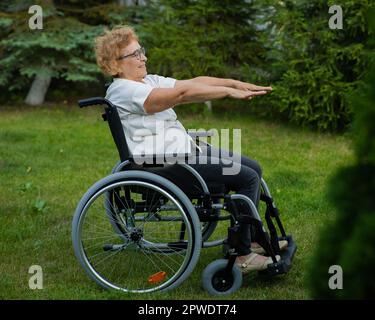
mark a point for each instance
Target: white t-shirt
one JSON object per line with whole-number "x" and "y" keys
{"x": 148, "y": 134}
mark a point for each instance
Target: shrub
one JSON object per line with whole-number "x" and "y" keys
{"x": 317, "y": 69}
{"x": 350, "y": 240}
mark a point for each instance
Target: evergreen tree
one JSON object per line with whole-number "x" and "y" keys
{"x": 314, "y": 69}
{"x": 62, "y": 49}
{"x": 188, "y": 38}
{"x": 350, "y": 240}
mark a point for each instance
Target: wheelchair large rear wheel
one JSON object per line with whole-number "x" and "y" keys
{"x": 127, "y": 233}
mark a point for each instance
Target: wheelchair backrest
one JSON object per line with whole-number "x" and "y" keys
{"x": 111, "y": 115}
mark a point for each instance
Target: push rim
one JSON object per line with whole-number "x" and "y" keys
{"x": 137, "y": 241}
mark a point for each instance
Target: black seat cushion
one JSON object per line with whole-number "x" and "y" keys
{"x": 184, "y": 179}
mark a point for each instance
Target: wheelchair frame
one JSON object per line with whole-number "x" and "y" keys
{"x": 221, "y": 276}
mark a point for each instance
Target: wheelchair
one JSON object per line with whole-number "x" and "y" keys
{"x": 139, "y": 232}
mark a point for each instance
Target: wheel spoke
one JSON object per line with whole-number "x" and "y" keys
{"x": 135, "y": 255}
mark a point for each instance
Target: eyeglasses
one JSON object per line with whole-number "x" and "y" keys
{"x": 137, "y": 54}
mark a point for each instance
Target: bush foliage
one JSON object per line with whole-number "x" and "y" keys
{"x": 350, "y": 240}
{"x": 316, "y": 68}
{"x": 208, "y": 37}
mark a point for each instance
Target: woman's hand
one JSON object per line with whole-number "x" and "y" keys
{"x": 244, "y": 94}
{"x": 249, "y": 86}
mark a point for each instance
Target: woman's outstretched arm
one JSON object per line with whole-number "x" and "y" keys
{"x": 186, "y": 92}
{"x": 230, "y": 83}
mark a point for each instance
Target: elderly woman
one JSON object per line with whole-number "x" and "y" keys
{"x": 145, "y": 105}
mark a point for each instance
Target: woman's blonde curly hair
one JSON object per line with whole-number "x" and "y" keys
{"x": 108, "y": 47}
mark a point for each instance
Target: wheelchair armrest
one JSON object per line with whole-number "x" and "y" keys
{"x": 200, "y": 133}
{"x": 93, "y": 101}
{"x": 160, "y": 159}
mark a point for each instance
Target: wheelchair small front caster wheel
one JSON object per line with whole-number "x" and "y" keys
{"x": 217, "y": 281}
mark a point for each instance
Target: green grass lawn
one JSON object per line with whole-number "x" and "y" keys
{"x": 50, "y": 156}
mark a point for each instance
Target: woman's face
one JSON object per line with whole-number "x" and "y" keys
{"x": 132, "y": 62}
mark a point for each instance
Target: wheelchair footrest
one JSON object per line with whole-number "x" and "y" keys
{"x": 285, "y": 263}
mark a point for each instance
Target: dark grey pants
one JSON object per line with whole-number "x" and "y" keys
{"x": 210, "y": 166}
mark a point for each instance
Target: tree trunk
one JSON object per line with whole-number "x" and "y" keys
{"x": 125, "y": 2}
{"x": 209, "y": 106}
{"x": 131, "y": 2}
{"x": 38, "y": 89}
